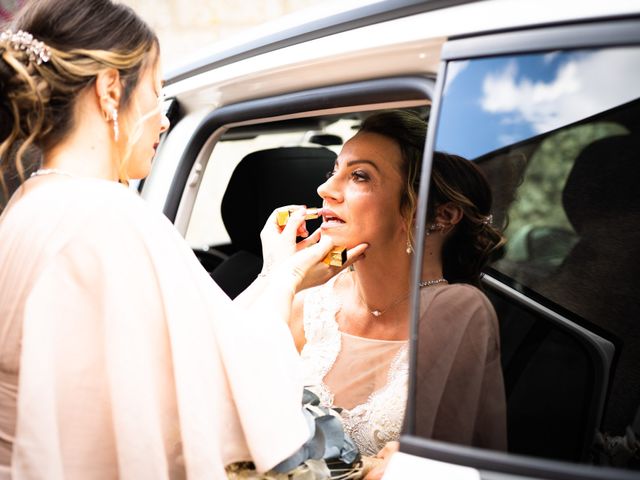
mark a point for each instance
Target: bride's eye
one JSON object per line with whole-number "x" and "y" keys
{"x": 360, "y": 176}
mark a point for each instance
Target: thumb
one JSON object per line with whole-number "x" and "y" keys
{"x": 310, "y": 256}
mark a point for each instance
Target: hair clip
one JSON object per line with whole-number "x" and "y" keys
{"x": 488, "y": 220}
{"x": 36, "y": 50}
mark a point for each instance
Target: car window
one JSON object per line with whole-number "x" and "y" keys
{"x": 557, "y": 134}
{"x": 206, "y": 227}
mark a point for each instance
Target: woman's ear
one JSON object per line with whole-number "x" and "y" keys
{"x": 108, "y": 90}
{"x": 449, "y": 214}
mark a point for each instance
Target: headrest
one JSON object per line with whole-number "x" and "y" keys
{"x": 603, "y": 182}
{"x": 267, "y": 179}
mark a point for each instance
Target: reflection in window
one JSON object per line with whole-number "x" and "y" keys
{"x": 500, "y": 101}
{"x": 558, "y": 137}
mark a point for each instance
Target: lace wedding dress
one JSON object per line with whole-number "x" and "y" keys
{"x": 367, "y": 378}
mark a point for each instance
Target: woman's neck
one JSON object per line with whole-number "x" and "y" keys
{"x": 381, "y": 282}
{"x": 88, "y": 149}
{"x": 82, "y": 159}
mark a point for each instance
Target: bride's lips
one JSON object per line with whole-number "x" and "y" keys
{"x": 330, "y": 219}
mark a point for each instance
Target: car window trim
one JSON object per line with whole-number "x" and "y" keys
{"x": 490, "y": 462}
{"x": 610, "y": 33}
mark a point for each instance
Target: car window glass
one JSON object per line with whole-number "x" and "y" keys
{"x": 557, "y": 135}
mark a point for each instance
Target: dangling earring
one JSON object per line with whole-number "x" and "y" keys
{"x": 116, "y": 128}
{"x": 409, "y": 249}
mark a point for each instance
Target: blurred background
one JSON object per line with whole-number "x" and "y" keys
{"x": 186, "y": 26}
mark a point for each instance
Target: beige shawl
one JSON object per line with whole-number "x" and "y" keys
{"x": 119, "y": 357}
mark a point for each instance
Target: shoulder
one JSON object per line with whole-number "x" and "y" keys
{"x": 101, "y": 213}
{"x": 461, "y": 304}
{"x": 461, "y": 293}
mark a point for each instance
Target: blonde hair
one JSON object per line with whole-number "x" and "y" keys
{"x": 37, "y": 100}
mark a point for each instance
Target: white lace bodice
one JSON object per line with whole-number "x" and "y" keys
{"x": 377, "y": 421}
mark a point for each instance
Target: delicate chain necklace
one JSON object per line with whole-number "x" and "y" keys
{"x": 429, "y": 283}
{"x": 379, "y": 313}
{"x": 50, "y": 171}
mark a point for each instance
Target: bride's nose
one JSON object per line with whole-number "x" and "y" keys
{"x": 330, "y": 189}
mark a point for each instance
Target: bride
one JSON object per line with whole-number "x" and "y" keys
{"x": 353, "y": 331}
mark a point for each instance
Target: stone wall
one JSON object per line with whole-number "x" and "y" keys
{"x": 187, "y": 26}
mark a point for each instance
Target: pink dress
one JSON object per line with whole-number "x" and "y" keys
{"x": 120, "y": 357}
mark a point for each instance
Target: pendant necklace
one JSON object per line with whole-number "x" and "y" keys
{"x": 378, "y": 313}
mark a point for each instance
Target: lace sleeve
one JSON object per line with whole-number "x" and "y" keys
{"x": 322, "y": 339}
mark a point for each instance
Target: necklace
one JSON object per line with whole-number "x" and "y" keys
{"x": 378, "y": 313}
{"x": 50, "y": 171}
{"x": 429, "y": 283}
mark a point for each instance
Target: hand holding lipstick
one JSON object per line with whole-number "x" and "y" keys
{"x": 279, "y": 243}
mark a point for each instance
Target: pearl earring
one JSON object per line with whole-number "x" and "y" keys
{"x": 116, "y": 128}
{"x": 409, "y": 249}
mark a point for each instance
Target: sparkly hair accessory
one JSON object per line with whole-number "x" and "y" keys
{"x": 488, "y": 220}
{"x": 38, "y": 52}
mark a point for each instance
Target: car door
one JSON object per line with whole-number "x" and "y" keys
{"x": 551, "y": 115}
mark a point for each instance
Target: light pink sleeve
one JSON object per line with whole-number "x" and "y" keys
{"x": 460, "y": 392}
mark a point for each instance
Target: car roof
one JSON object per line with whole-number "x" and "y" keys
{"x": 335, "y": 17}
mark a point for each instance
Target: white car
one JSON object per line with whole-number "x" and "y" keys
{"x": 545, "y": 96}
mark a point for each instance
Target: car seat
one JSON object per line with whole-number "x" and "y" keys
{"x": 263, "y": 181}
{"x": 557, "y": 372}
{"x": 598, "y": 278}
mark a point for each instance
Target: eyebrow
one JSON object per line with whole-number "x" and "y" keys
{"x": 351, "y": 163}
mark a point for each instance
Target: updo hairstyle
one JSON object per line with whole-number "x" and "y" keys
{"x": 474, "y": 241}
{"x": 37, "y": 101}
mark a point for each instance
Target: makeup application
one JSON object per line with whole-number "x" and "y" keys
{"x": 337, "y": 256}
{"x": 283, "y": 214}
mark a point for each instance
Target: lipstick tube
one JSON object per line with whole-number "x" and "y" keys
{"x": 282, "y": 215}
{"x": 337, "y": 257}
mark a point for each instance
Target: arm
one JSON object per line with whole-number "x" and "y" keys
{"x": 296, "y": 322}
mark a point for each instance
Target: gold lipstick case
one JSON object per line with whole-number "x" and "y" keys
{"x": 282, "y": 215}
{"x": 337, "y": 257}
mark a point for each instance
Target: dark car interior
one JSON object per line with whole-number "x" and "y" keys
{"x": 259, "y": 184}
{"x": 564, "y": 395}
